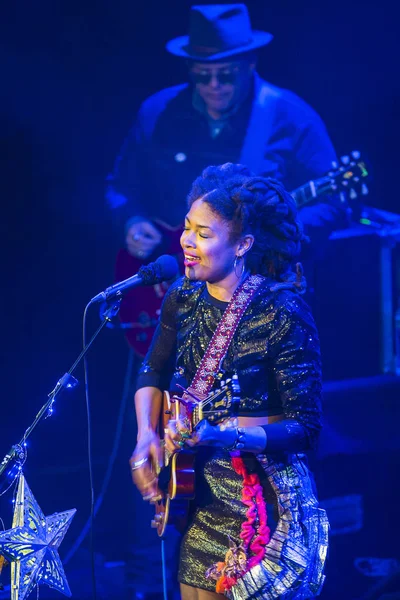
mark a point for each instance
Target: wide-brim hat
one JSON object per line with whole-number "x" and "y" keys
{"x": 217, "y": 31}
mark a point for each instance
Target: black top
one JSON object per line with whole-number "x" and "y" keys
{"x": 275, "y": 352}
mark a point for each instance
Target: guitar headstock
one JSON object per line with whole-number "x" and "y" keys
{"x": 349, "y": 175}
{"x": 345, "y": 179}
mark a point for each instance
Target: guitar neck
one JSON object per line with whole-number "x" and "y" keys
{"x": 309, "y": 192}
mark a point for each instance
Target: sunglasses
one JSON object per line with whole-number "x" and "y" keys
{"x": 223, "y": 77}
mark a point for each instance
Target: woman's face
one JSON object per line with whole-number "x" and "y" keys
{"x": 209, "y": 253}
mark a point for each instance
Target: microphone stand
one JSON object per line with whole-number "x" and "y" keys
{"x": 17, "y": 452}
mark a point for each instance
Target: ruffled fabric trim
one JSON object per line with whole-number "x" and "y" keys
{"x": 293, "y": 565}
{"x": 255, "y": 534}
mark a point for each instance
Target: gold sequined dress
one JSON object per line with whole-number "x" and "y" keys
{"x": 275, "y": 352}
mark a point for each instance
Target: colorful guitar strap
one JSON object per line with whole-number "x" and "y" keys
{"x": 217, "y": 348}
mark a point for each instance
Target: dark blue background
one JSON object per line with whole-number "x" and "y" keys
{"x": 72, "y": 77}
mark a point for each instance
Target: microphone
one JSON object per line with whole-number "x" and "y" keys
{"x": 163, "y": 269}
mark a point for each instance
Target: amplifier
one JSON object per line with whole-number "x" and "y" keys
{"x": 356, "y": 287}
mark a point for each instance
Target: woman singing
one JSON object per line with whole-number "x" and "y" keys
{"x": 255, "y": 528}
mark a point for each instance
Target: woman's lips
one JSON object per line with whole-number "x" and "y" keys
{"x": 190, "y": 261}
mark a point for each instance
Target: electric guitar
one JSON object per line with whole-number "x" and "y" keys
{"x": 140, "y": 310}
{"x": 176, "y": 479}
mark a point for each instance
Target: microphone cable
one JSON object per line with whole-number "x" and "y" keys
{"x": 95, "y": 505}
{"x": 90, "y": 464}
{"x": 164, "y": 569}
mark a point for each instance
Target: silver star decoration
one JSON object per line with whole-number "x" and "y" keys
{"x": 31, "y": 545}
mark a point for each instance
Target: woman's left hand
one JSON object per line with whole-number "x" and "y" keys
{"x": 204, "y": 434}
{"x": 176, "y": 435}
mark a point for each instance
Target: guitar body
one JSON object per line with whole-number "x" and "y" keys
{"x": 140, "y": 309}
{"x": 177, "y": 478}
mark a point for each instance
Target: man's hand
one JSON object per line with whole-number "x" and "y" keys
{"x": 142, "y": 239}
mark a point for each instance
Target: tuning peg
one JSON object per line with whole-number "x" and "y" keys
{"x": 364, "y": 189}
{"x": 334, "y": 164}
{"x": 345, "y": 159}
{"x": 353, "y": 194}
{"x": 356, "y": 154}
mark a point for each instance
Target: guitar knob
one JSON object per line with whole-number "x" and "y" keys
{"x": 159, "y": 518}
{"x": 153, "y": 524}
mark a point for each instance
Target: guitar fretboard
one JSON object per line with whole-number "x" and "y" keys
{"x": 311, "y": 191}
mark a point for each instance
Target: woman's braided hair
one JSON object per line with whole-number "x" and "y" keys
{"x": 259, "y": 206}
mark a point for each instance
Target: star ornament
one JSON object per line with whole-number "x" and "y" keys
{"x": 31, "y": 545}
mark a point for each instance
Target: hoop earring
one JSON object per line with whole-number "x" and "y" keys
{"x": 235, "y": 264}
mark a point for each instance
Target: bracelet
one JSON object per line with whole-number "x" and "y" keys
{"x": 240, "y": 440}
{"x": 139, "y": 463}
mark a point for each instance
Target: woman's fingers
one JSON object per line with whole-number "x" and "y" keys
{"x": 144, "y": 470}
{"x": 141, "y": 476}
{"x": 150, "y": 488}
{"x": 177, "y": 435}
{"x": 146, "y": 481}
{"x": 171, "y": 444}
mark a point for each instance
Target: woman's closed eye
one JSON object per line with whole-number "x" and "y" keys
{"x": 205, "y": 237}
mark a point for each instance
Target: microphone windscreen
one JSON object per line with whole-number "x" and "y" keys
{"x": 163, "y": 269}
{"x": 167, "y": 267}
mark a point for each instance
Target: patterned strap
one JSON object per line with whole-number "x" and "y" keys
{"x": 220, "y": 341}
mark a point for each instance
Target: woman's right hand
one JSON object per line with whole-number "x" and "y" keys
{"x": 146, "y": 462}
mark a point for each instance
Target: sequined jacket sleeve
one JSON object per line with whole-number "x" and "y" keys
{"x": 158, "y": 365}
{"x": 294, "y": 353}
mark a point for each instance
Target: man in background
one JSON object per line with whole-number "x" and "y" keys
{"x": 225, "y": 113}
